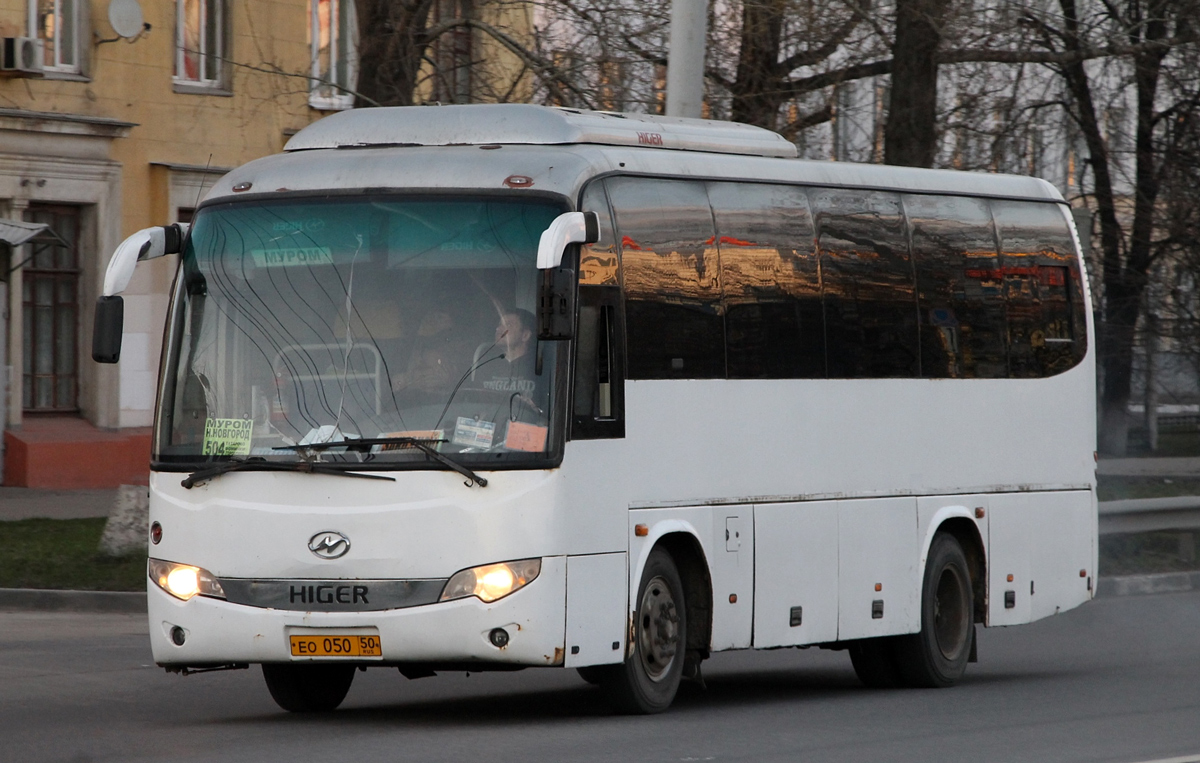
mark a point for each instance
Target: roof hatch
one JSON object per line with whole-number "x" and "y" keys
{"x": 513, "y": 124}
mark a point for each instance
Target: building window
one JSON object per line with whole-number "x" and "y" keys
{"x": 56, "y": 24}
{"x": 200, "y": 43}
{"x": 332, "y": 33}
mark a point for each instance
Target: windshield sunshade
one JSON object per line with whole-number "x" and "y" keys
{"x": 305, "y": 322}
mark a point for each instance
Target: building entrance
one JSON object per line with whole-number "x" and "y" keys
{"x": 51, "y": 314}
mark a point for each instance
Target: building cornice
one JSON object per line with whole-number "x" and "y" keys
{"x": 24, "y": 120}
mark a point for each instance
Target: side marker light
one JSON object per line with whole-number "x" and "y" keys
{"x": 641, "y": 530}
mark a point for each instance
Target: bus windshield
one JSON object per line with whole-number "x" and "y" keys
{"x": 301, "y": 322}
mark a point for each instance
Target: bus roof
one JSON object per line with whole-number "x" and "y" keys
{"x": 558, "y": 151}
{"x": 513, "y": 124}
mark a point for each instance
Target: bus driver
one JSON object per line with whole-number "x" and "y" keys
{"x": 514, "y": 370}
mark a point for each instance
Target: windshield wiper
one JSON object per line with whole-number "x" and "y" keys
{"x": 422, "y": 445}
{"x": 260, "y": 464}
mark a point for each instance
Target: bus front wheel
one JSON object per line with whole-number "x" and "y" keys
{"x": 309, "y": 687}
{"x": 937, "y": 655}
{"x": 649, "y": 678}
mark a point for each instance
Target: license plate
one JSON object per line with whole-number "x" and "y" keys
{"x": 336, "y": 645}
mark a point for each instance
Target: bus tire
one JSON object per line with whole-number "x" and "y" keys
{"x": 875, "y": 663}
{"x": 308, "y": 688}
{"x": 937, "y": 655}
{"x": 649, "y": 678}
{"x": 593, "y": 674}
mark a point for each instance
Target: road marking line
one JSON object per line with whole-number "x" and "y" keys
{"x": 1183, "y": 759}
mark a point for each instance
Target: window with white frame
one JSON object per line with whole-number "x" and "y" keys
{"x": 332, "y": 33}
{"x": 56, "y": 24}
{"x": 200, "y": 43}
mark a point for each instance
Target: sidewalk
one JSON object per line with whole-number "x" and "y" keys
{"x": 30, "y": 503}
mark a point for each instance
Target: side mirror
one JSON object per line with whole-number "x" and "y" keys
{"x": 568, "y": 228}
{"x": 146, "y": 244}
{"x": 107, "y": 329}
{"x": 556, "y": 300}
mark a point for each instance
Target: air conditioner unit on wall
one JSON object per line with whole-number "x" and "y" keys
{"x": 22, "y": 57}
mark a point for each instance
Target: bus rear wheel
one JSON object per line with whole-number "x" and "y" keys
{"x": 649, "y": 678}
{"x": 937, "y": 655}
{"x": 308, "y": 688}
{"x": 875, "y": 662}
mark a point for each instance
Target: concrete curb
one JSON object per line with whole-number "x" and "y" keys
{"x": 1139, "y": 585}
{"x": 40, "y": 600}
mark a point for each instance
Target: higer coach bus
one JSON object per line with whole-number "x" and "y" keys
{"x": 495, "y": 387}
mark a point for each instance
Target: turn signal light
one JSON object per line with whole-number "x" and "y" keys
{"x": 183, "y": 581}
{"x": 492, "y": 581}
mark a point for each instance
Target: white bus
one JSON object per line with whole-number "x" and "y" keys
{"x": 494, "y": 387}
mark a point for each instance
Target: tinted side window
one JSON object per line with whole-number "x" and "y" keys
{"x": 671, "y": 273}
{"x": 598, "y": 401}
{"x": 773, "y": 322}
{"x": 867, "y": 279}
{"x": 1042, "y": 288}
{"x": 962, "y": 309}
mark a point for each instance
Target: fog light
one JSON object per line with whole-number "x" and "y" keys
{"x": 183, "y": 581}
{"x": 498, "y": 637}
{"x": 178, "y": 636}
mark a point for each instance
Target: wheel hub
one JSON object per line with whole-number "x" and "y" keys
{"x": 658, "y": 631}
{"x": 952, "y": 621}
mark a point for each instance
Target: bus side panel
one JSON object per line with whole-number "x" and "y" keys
{"x": 597, "y": 613}
{"x": 878, "y": 548}
{"x": 730, "y": 562}
{"x": 1043, "y": 540}
{"x": 1009, "y": 526}
{"x": 796, "y": 573}
{"x": 1061, "y": 551}
{"x": 732, "y": 567}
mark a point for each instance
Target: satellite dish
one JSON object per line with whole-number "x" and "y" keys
{"x": 126, "y": 18}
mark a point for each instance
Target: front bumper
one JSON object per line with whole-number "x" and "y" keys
{"x": 218, "y": 632}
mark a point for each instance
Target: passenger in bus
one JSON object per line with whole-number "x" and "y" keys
{"x": 436, "y": 360}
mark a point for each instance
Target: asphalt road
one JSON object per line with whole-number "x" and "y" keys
{"x": 1117, "y": 680}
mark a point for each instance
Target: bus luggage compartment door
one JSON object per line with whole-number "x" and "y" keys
{"x": 796, "y": 573}
{"x": 879, "y": 574}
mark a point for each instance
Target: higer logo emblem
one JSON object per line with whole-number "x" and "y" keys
{"x": 329, "y": 544}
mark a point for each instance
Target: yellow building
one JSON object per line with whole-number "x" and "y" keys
{"x": 115, "y": 115}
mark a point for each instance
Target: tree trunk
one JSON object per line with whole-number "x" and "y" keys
{"x": 392, "y": 41}
{"x": 757, "y": 95}
{"x": 910, "y": 137}
{"x": 1124, "y": 278}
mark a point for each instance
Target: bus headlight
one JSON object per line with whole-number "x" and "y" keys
{"x": 183, "y": 581}
{"x": 492, "y": 581}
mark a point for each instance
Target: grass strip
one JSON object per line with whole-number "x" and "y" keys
{"x": 1148, "y": 553}
{"x": 64, "y": 554}
{"x": 1110, "y": 488}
